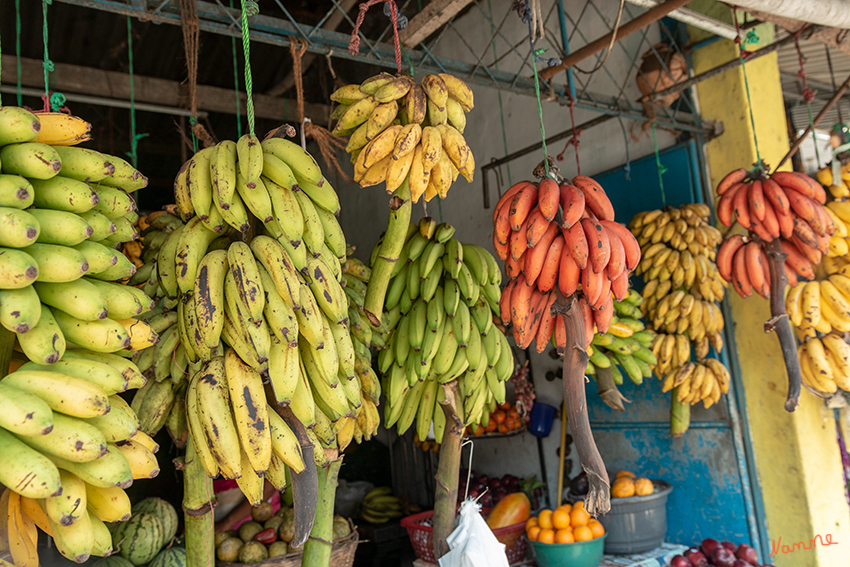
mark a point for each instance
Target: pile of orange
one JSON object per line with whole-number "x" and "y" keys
{"x": 564, "y": 524}
{"x": 505, "y": 419}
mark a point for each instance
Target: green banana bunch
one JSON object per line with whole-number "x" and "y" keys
{"x": 439, "y": 309}
{"x": 626, "y": 346}
{"x": 380, "y": 506}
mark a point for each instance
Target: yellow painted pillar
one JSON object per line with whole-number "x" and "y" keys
{"x": 796, "y": 454}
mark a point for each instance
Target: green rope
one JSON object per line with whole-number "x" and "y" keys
{"x": 236, "y": 83}
{"x": 662, "y": 169}
{"x": 534, "y": 54}
{"x": 751, "y": 37}
{"x": 48, "y": 64}
{"x": 19, "y": 90}
{"x": 134, "y": 138}
{"x": 499, "y": 91}
{"x": 192, "y": 121}
{"x": 249, "y": 8}
{"x": 407, "y": 58}
{"x": 1, "y": 74}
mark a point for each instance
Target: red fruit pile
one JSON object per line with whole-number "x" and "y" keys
{"x": 786, "y": 205}
{"x": 560, "y": 238}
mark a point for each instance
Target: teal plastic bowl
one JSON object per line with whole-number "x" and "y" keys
{"x": 579, "y": 554}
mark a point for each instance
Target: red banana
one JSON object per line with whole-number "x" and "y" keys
{"x": 630, "y": 243}
{"x": 548, "y": 198}
{"x": 572, "y": 203}
{"x": 576, "y": 242}
{"x": 733, "y": 177}
{"x": 595, "y": 197}
{"x": 598, "y": 247}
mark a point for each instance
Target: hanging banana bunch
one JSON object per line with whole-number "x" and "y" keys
{"x": 400, "y": 130}
{"x": 69, "y": 443}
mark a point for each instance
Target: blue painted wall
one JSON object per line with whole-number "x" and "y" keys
{"x": 703, "y": 466}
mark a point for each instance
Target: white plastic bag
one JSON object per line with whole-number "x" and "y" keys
{"x": 472, "y": 543}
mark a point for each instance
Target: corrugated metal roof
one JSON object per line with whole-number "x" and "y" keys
{"x": 819, "y": 78}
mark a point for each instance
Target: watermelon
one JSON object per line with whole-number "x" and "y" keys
{"x": 172, "y": 557}
{"x": 166, "y": 513}
{"x": 139, "y": 539}
{"x": 113, "y": 561}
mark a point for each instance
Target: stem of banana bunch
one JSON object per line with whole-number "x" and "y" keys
{"x": 401, "y": 207}
{"x": 7, "y": 341}
{"x": 305, "y": 485}
{"x": 317, "y": 550}
{"x": 608, "y": 389}
{"x": 448, "y": 469}
{"x": 575, "y": 363}
{"x": 780, "y": 322}
{"x": 680, "y": 415}
{"x": 198, "y": 504}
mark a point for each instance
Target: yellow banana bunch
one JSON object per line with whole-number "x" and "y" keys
{"x": 402, "y": 130}
{"x": 683, "y": 286}
{"x": 820, "y": 306}
{"x": 839, "y": 188}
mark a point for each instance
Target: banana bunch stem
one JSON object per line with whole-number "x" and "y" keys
{"x": 780, "y": 323}
{"x": 400, "y": 209}
{"x": 448, "y": 469}
{"x": 7, "y": 341}
{"x": 680, "y": 415}
{"x": 317, "y": 550}
{"x": 608, "y": 389}
{"x": 200, "y": 522}
{"x": 575, "y": 362}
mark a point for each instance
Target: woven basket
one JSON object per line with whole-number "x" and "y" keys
{"x": 341, "y": 556}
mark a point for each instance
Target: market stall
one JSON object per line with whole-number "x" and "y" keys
{"x": 384, "y": 283}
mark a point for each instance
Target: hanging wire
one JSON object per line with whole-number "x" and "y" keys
{"x": 627, "y": 169}
{"x": 499, "y": 93}
{"x": 47, "y": 64}
{"x": 134, "y": 138}
{"x": 834, "y": 88}
{"x": 808, "y": 97}
{"x": 236, "y": 82}
{"x": 19, "y": 88}
{"x": 662, "y": 169}
{"x": 249, "y": 8}
{"x": 610, "y": 45}
{"x": 752, "y": 38}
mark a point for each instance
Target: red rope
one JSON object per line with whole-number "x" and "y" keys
{"x": 574, "y": 141}
{"x": 354, "y": 43}
{"x": 808, "y": 94}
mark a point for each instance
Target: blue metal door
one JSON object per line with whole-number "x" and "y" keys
{"x": 710, "y": 467}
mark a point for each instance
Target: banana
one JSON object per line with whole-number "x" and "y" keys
{"x": 199, "y": 440}
{"x": 102, "y": 227}
{"x": 110, "y": 504}
{"x": 143, "y": 463}
{"x": 112, "y": 469}
{"x": 32, "y": 160}
{"x": 62, "y": 393}
{"x": 248, "y": 402}
{"x": 25, "y": 470}
{"x": 69, "y": 506}
{"x": 152, "y": 403}
{"x": 24, "y": 413}
{"x": 216, "y": 418}
{"x": 127, "y": 368}
{"x": 192, "y": 244}
{"x": 74, "y": 541}
{"x": 98, "y": 373}
{"x": 299, "y": 160}
{"x": 18, "y": 125}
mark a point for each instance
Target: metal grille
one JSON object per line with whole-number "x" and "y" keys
{"x": 494, "y": 48}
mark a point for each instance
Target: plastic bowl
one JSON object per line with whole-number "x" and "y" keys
{"x": 578, "y": 554}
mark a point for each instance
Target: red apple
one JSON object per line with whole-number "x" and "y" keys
{"x": 747, "y": 553}
{"x": 741, "y": 563}
{"x": 708, "y": 546}
{"x": 722, "y": 557}
{"x": 679, "y": 561}
{"x": 730, "y": 546}
{"x": 696, "y": 557}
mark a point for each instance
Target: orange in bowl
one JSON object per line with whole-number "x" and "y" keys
{"x": 533, "y": 533}
{"x": 596, "y": 528}
{"x": 583, "y": 533}
{"x": 564, "y": 536}
{"x": 546, "y": 536}
{"x": 544, "y": 519}
{"x": 560, "y": 519}
{"x": 530, "y": 523}
{"x": 579, "y": 517}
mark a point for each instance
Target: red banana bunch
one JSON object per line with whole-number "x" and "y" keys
{"x": 787, "y": 205}
{"x": 560, "y": 238}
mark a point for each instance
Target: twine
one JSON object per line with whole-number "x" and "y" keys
{"x": 134, "y": 138}
{"x": 236, "y": 82}
{"x": 662, "y": 169}
{"x": 191, "y": 32}
{"x": 328, "y": 144}
{"x": 249, "y": 8}
{"x": 751, "y": 37}
{"x": 354, "y": 42}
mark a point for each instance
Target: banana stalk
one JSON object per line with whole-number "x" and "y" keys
{"x": 448, "y": 469}
{"x": 400, "y": 209}
{"x": 197, "y": 508}
{"x": 680, "y": 416}
{"x": 317, "y": 550}
{"x": 608, "y": 389}
{"x": 780, "y": 323}
{"x": 575, "y": 362}
{"x": 7, "y": 341}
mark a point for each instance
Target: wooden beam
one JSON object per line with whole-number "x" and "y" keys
{"x": 833, "y": 37}
{"x": 333, "y": 22}
{"x": 151, "y": 90}
{"x": 649, "y": 17}
{"x": 429, "y": 20}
